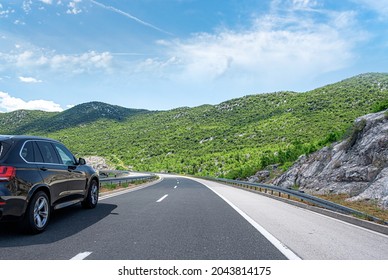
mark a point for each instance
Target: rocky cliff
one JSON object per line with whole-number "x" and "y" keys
{"x": 357, "y": 166}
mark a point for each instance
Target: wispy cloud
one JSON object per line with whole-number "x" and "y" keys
{"x": 41, "y": 59}
{"x": 29, "y": 80}
{"x": 281, "y": 48}
{"x": 9, "y": 103}
{"x": 118, "y": 11}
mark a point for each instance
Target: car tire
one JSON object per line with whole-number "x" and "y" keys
{"x": 38, "y": 213}
{"x": 91, "y": 199}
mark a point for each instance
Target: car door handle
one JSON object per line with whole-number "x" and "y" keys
{"x": 43, "y": 168}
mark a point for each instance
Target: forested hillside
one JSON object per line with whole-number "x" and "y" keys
{"x": 232, "y": 139}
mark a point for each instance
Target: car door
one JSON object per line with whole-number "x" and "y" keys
{"x": 54, "y": 173}
{"x": 76, "y": 182}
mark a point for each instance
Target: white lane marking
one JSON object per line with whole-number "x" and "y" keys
{"x": 279, "y": 245}
{"x": 81, "y": 256}
{"x": 163, "y": 197}
{"x": 175, "y": 187}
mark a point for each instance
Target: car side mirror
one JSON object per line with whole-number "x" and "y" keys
{"x": 81, "y": 161}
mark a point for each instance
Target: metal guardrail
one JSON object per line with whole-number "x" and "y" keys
{"x": 272, "y": 189}
{"x": 126, "y": 179}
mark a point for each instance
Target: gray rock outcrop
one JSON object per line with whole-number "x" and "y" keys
{"x": 357, "y": 166}
{"x": 97, "y": 162}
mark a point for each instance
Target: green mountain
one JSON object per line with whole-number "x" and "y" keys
{"x": 232, "y": 139}
{"x": 10, "y": 122}
{"x": 23, "y": 121}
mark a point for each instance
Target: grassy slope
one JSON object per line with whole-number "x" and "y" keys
{"x": 234, "y": 138}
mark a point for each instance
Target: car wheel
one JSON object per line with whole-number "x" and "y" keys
{"x": 38, "y": 213}
{"x": 91, "y": 199}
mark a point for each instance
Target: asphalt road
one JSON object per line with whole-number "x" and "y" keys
{"x": 176, "y": 218}
{"x": 310, "y": 235}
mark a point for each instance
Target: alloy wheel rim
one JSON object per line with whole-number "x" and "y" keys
{"x": 41, "y": 210}
{"x": 94, "y": 194}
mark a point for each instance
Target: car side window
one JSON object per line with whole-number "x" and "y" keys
{"x": 27, "y": 152}
{"x": 48, "y": 152}
{"x": 65, "y": 155}
{"x": 37, "y": 155}
{"x": 30, "y": 152}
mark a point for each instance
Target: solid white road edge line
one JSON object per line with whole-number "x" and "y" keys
{"x": 81, "y": 256}
{"x": 279, "y": 245}
{"x": 163, "y": 197}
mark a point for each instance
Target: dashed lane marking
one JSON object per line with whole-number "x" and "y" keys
{"x": 161, "y": 199}
{"x": 81, "y": 256}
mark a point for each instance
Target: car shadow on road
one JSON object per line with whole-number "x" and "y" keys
{"x": 64, "y": 223}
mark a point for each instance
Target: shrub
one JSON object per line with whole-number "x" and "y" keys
{"x": 380, "y": 106}
{"x": 356, "y": 129}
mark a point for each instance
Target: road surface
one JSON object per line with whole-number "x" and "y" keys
{"x": 182, "y": 218}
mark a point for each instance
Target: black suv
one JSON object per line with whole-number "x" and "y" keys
{"x": 38, "y": 175}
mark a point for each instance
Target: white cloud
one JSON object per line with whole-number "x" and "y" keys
{"x": 9, "y": 104}
{"x": 281, "y": 46}
{"x": 73, "y": 7}
{"x": 48, "y": 2}
{"x": 27, "y": 6}
{"x": 19, "y": 22}
{"x": 4, "y": 13}
{"x": 29, "y": 80}
{"x": 38, "y": 59}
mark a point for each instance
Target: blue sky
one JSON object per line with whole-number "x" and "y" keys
{"x": 163, "y": 54}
